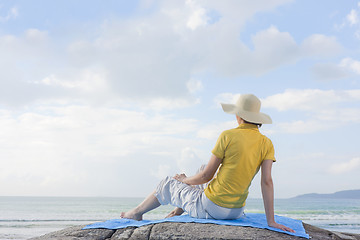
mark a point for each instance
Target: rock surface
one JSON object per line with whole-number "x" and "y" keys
{"x": 188, "y": 231}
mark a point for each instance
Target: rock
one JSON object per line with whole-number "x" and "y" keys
{"x": 76, "y": 232}
{"x": 344, "y": 236}
{"x": 188, "y": 231}
{"x": 122, "y": 234}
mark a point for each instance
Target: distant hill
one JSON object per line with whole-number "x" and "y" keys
{"x": 348, "y": 194}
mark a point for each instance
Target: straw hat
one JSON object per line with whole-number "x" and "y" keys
{"x": 248, "y": 108}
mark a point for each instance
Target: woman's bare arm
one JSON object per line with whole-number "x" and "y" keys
{"x": 203, "y": 176}
{"x": 267, "y": 189}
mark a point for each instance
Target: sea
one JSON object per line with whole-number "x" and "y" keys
{"x": 27, "y": 217}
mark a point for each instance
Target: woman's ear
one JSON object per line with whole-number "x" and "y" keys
{"x": 239, "y": 119}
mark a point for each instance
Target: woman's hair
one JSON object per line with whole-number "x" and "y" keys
{"x": 257, "y": 124}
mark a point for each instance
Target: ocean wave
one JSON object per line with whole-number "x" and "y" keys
{"x": 345, "y": 224}
{"x": 51, "y": 220}
{"x": 41, "y": 224}
{"x": 320, "y": 212}
{"x": 325, "y": 217}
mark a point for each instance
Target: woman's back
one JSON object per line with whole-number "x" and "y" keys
{"x": 242, "y": 149}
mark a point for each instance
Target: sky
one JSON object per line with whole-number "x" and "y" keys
{"x": 105, "y": 98}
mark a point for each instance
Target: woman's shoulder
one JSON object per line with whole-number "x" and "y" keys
{"x": 229, "y": 131}
{"x": 267, "y": 140}
{"x": 226, "y": 135}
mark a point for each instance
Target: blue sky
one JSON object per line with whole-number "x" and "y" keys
{"x": 105, "y": 98}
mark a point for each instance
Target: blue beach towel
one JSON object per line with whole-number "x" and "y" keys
{"x": 256, "y": 220}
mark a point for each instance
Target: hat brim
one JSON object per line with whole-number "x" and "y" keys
{"x": 252, "y": 117}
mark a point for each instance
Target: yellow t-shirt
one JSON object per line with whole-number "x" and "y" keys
{"x": 242, "y": 151}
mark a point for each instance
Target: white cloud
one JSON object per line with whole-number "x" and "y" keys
{"x": 161, "y": 172}
{"x": 91, "y": 101}
{"x": 352, "y": 17}
{"x": 65, "y": 145}
{"x": 158, "y": 103}
{"x": 273, "y": 48}
{"x": 35, "y": 35}
{"x": 319, "y": 109}
{"x": 351, "y": 20}
{"x": 310, "y": 99}
{"x": 357, "y": 34}
{"x": 351, "y": 64}
{"x": 329, "y": 71}
{"x": 87, "y": 81}
{"x": 303, "y": 127}
{"x": 212, "y": 131}
{"x": 194, "y": 85}
{"x": 345, "y": 167}
{"x": 25, "y": 59}
{"x": 225, "y": 98}
{"x": 11, "y": 14}
{"x": 198, "y": 15}
{"x": 150, "y": 57}
{"x": 188, "y": 162}
{"x": 320, "y": 46}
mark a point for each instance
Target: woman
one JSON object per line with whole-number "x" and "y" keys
{"x": 237, "y": 156}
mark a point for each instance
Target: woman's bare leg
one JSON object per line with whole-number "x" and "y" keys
{"x": 148, "y": 204}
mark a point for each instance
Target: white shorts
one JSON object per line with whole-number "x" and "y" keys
{"x": 193, "y": 200}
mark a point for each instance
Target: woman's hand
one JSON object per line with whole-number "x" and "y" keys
{"x": 176, "y": 212}
{"x": 280, "y": 226}
{"x": 180, "y": 177}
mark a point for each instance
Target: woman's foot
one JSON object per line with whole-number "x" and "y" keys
{"x": 149, "y": 203}
{"x": 176, "y": 212}
{"x": 131, "y": 215}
